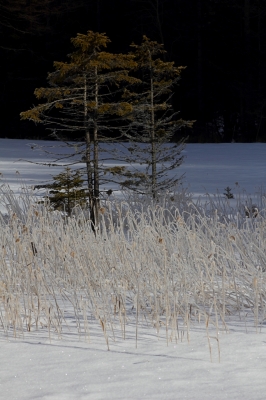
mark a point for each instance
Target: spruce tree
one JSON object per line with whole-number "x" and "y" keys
{"x": 153, "y": 121}
{"x": 83, "y": 98}
{"x": 67, "y": 191}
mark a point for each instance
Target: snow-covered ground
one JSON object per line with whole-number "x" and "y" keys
{"x": 35, "y": 368}
{"x": 207, "y": 167}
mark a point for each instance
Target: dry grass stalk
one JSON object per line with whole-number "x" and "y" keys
{"x": 147, "y": 267}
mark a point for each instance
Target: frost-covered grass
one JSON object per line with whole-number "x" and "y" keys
{"x": 67, "y": 366}
{"x": 169, "y": 266}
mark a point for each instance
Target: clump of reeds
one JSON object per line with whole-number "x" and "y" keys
{"x": 153, "y": 266}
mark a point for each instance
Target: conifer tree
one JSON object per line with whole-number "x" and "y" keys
{"x": 83, "y": 98}
{"x": 67, "y": 191}
{"x": 153, "y": 121}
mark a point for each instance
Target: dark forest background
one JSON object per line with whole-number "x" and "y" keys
{"x": 222, "y": 43}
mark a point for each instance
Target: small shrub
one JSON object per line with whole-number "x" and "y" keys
{"x": 228, "y": 193}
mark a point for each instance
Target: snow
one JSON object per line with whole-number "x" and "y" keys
{"x": 33, "y": 367}
{"x": 207, "y": 167}
{"x": 212, "y": 167}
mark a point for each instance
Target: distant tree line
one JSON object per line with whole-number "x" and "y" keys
{"x": 222, "y": 43}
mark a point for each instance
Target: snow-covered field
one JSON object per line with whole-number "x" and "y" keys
{"x": 32, "y": 366}
{"x": 207, "y": 167}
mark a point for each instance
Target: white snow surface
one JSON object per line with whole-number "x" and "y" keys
{"x": 33, "y": 367}
{"x": 207, "y": 167}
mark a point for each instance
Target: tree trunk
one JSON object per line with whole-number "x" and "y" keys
{"x": 153, "y": 145}
{"x": 159, "y": 22}
{"x": 96, "y": 187}
{"x": 200, "y": 62}
{"x": 247, "y": 84}
{"x": 88, "y": 153}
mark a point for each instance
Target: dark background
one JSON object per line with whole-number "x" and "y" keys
{"x": 222, "y": 43}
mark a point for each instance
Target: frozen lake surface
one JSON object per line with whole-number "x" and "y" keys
{"x": 207, "y": 167}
